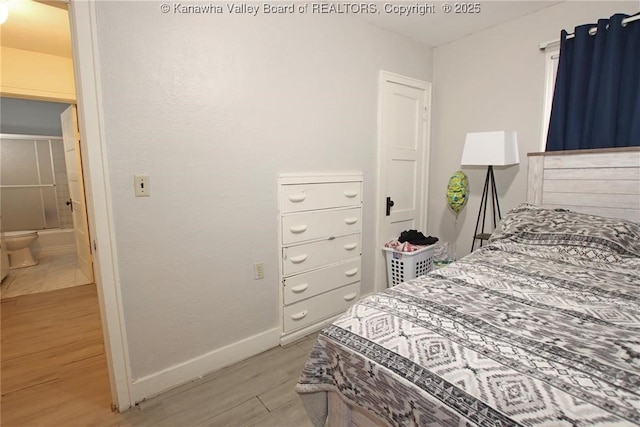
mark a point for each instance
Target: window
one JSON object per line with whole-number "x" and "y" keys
{"x": 552, "y": 56}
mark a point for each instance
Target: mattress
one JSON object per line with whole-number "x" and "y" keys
{"x": 540, "y": 327}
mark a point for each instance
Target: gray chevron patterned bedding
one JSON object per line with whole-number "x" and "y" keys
{"x": 540, "y": 327}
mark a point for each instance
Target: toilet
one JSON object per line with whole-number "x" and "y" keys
{"x": 18, "y": 246}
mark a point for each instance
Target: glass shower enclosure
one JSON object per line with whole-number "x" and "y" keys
{"x": 33, "y": 183}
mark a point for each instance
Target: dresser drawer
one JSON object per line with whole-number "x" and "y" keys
{"x": 308, "y": 256}
{"x": 305, "y": 197}
{"x": 307, "y": 285}
{"x": 320, "y": 307}
{"x": 317, "y": 224}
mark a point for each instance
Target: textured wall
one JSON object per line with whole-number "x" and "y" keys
{"x": 213, "y": 108}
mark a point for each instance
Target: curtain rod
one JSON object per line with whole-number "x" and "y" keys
{"x": 592, "y": 31}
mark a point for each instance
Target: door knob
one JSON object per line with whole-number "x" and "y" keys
{"x": 70, "y": 204}
{"x": 389, "y": 205}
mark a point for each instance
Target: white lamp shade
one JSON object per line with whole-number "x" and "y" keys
{"x": 499, "y": 148}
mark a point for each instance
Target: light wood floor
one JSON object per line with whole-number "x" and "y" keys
{"x": 54, "y": 373}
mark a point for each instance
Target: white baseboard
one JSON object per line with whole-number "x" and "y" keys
{"x": 158, "y": 382}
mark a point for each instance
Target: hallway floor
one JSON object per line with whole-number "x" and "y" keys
{"x": 51, "y": 273}
{"x": 54, "y": 373}
{"x": 53, "y": 365}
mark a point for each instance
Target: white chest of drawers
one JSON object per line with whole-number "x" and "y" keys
{"x": 320, "y": 240}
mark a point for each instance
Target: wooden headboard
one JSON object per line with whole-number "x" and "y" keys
{"x": 602, "y": 182}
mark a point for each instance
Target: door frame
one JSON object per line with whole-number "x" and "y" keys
{"x": 82, "y": 20}
{"x": 384, "y": 77}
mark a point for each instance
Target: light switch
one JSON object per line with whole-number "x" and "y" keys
{"x": 142, "y": 185}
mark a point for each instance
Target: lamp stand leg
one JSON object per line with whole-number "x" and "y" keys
{"x": 495, "y": 205}
{"x": 483, "y": 205}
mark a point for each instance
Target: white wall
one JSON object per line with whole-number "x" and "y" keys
{"x": 35, "y": 75}
{"x": 494, "y": 80}
{"x": 29, "y": 117}
{"x": 213, "y": 108}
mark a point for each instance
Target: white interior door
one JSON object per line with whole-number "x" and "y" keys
{"x": 404, "y": 113}
{"x": 71, "y": 141}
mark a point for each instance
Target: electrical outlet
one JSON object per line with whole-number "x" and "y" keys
{"x": 142, "y": 185}
{"x": 258, "y": 270}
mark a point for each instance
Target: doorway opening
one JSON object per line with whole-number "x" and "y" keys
{"x": 34, "y": 33}
{"x": 404, "y": 113}
{"x": 35, "y": 195}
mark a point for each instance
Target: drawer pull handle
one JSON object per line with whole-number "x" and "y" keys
{"x": 351, "y": 246}
{"x": 351, "y": 272}
{"x": 295, "y": 198}
{"x": 350, "y": 194}
{"x": 296, "y": 229}
{"x": 350, "y": 221}
{"x": 300, "y": 288}
{"x": 299, "y": 316}
{"x": 298, "y": 259}
{"x": 349, "y": 297}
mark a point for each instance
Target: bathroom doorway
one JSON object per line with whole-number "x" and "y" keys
{"x": 37, "y": 52}
{"x": 38, "y": 84}
{"x": 35, "y": 190}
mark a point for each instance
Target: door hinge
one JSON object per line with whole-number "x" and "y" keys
{"x": 95, "y": 246}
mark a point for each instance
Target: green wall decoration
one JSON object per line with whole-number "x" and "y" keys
{"x": 457, "y": 191}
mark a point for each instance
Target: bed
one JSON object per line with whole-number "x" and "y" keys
{"x": 540, "y": 327}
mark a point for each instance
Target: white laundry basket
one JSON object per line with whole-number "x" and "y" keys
{"x": 403, "y": 266}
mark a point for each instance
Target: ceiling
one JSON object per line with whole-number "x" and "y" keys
{"x": 43, "y": 26}
{"x": 439, "y": 28}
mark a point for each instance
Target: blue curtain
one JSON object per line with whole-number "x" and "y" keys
{"x": 596, "y": 101}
